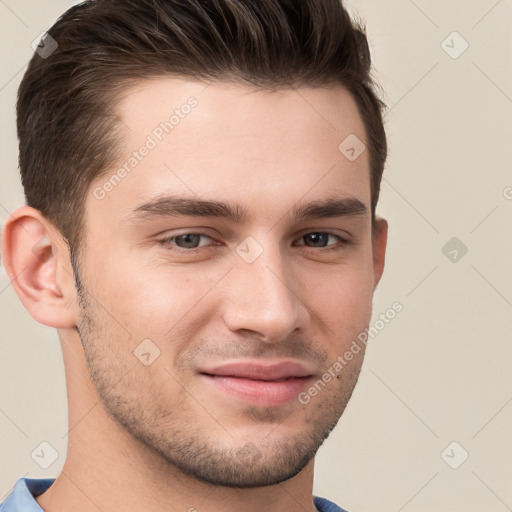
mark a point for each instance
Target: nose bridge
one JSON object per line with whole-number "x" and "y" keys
{"x": 261, "y": 296}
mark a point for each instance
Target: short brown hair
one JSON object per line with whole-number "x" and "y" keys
{"x": 67, "y": 127}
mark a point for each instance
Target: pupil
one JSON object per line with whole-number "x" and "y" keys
{"x": 317, "y": 236}
{"x": 187, "y": 238}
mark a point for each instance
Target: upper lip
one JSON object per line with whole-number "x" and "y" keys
{"x": 259, "y": 371}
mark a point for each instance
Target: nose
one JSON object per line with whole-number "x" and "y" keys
{"x": 262, "y": 300}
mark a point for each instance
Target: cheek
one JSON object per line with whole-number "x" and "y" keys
{"x": 341, "y": 297}
{"x": 158, "y": 300}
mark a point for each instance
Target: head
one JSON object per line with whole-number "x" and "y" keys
{"x": 194, "y": 219}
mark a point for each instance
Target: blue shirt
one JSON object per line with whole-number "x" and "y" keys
{"x": 22, "y": 496}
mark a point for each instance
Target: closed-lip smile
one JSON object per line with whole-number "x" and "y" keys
{"x": 266, "y": 384}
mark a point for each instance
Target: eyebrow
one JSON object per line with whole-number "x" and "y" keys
{"x": 173, "y": 206}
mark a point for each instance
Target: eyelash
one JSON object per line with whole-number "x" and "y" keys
{"x": 166, "y": 242}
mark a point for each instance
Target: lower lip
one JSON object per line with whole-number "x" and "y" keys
{"x": 260, "y": 392}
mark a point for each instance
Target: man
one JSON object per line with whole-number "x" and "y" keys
{"x": 201, "y": 180}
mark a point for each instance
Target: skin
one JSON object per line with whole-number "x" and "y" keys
{"x": 158, "y": 436}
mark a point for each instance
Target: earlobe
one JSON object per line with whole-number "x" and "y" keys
{"x": 35, "y": 258}
{"x": 379, "y": 243}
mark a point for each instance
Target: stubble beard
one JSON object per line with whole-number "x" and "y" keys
{"x": 175, "y": 437}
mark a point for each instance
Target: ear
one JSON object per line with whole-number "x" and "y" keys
{"x": 36, "y": 259}
{"x": 379, "y": 243}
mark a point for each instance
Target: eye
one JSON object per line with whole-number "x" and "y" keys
{"x": 320, "y": 239}
{"x": 187, "y": 241}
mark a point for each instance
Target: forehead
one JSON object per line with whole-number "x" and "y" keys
{"x": 228, "y": 113}
{"x": 232, "y": 142}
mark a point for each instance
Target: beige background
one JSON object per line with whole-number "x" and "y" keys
{"x": 440, "y": 371}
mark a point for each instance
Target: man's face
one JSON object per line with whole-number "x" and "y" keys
{"x": 243, "y": 315}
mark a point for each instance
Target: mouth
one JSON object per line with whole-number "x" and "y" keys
{"x": 266, "y": 385}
